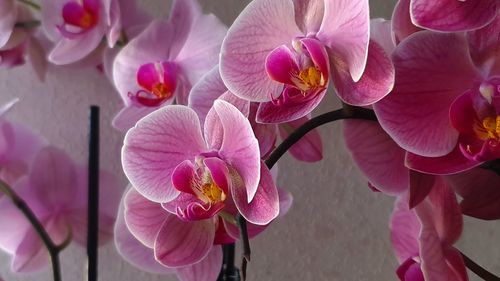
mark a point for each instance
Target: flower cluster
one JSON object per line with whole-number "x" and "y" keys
{"x": 204, "y": 107}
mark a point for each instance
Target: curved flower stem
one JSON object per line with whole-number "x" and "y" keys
{"x": 52, "y": 248}
{"x": 346, "y": 112}
{"x": 479, "y": 270}
{"x": 31, "y": 4}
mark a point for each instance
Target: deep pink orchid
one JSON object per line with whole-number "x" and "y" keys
{"x": 78, "y": 27}
{"x": 423, "y": 237}
{"x": 284, "y": 53}
{"x": 167, "y": 160}
{"x": 165, "y": 60}
{"x": 18, "y": 147}
{"x": 453, "y": 15}
{"x": 211, "y": 87}
{"x": 443, "y": 104}
{"x": 56, "y": 192}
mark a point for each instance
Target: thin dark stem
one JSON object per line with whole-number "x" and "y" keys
{"x": 347, "y": 112}
{"x": 52, "y": 248}
{"x": 242, "y": 224}
{"x": 479, "y": 270}
{"x": 28, "y": 24}
{"x": 93, "y": 194}
{"x": 228, "y": 272}
{"x": 31, "y": 4}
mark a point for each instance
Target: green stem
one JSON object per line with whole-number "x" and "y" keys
{"x": 52, "y": 248}
{"x": 31, "y": 4}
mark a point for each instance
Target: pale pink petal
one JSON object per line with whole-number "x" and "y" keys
{"x": 134, "y": 251}
{"x": 205, "y": 92}
{"x": 452, "y": 163}
{"x": 67, "y": 50}
{"x": 206, "y": 270}
{"x": 8, "y": 17}
{"x": 480, "y": 192}
{"x": 30, "y": 256}
{"x": 420, "y": 186}
{"x": 156, "y": 145}
{"x": 452, "y": 15}
{"x": 309, "y": 148}
{"x": 201, "y": 51}
{"x": 130, "y": 114}
{"x": 381, "y": 33}
{"x": 53, "y": 176}
{"x": 183, "y": 15}
{"x": 262, "y": 26}
{"x": 36, "y": 55}
{"x": 375, "y": 83}
{"x": 346, "y": 30}
{"x": 430, "y": 76}
{"x": 309, "y": 14}
{"x": 286, "y": 200}
{"x": 405, "y": 228}
{"x": 51, "y": 17}
{"x": 240, "y": 148}
{"x": 181, "y": 243}
{"x": 264, "y": 207}
{"x": 151, "y": 46}
{"x": 114, "y": 22}
{"x": 143, "y": 217}
{"x": 271, "y": 113}
{"x": 377, "y": 155}
{"x": 401, "y": 21}
{"x": 433, "y": 264}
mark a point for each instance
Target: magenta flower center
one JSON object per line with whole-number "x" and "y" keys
{"x": 157, "y": 82}
{"x": 83, "y": 15}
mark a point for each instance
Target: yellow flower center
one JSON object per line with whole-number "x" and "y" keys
{"x": 212, "y": 193}
{"x": 489, "y": 128}
{"x": 309, "y": 78}
{"x": 87, "y": 20}
{"x": 161, "y": 91}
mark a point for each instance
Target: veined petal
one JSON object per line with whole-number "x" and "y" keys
{"x": 484, "y": 46}
{"x": 128, "y": 116}
{"x": 346, "y": 30}
{"x": 451, "y": 15}
{"x": 430, "y": 76}
{"x": 181, "y": 243}
{"x": 452, "y": 163}
{"x": 262, "y": 26}
{"x": 205, "y": 92}
{"x": 156, "y": 145}
{"x": 309, "y": 14}
{"x": 240, "y": 148}
{"x": 206, "y": 270}
{"x": 401, "y": 21}
{"x": 377, "y": 155}
{"x": 143, "y": 217}
{"x": 405, "y": 228}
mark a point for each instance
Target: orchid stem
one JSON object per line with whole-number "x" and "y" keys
{"x": 93, "y": 195}
{"x": 28, "y": 24}
{"x": 52, "y": 248}
{"x": 479, "y": 270}
{"x": 31, "y": 4}
{"x": 242, "y": 225}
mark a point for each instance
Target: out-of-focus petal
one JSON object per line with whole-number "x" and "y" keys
{"x": 375, "y": 83}
{"x": 67, "y": 50}
{"x": 485, "y": 46}
{"x": 206, "y": 270}
{"x": 381, "y": 33}
{"x": 377, "y": 155}
{"x": 181, "y": 243}
{"x": 452, "y": 163}
{"x": 262, "y": 26}
{"x": 420, "y": 186}
{"x": 451, "y": 15}
{"x": 405, "y": 227}
{"x": 36, "y": 55}
{"x": 346, "y": 30}
{"x": 156, "y": 145}
{"x": 8, "y": 17}
{"x": 430, "y": 76}
{"x": 309, "y": 148}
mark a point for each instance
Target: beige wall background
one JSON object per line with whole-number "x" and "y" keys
{"x": 336, "y": 230}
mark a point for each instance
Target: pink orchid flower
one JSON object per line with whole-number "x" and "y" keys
{"x": 167, "y": 159}
{"x": 18, "y": 147}
{"x": 423, "y": 237}
{"x": 165, "y": 60}
{"x": 56, "y": 192}
{"x": 211, "y": 87}
{"x": 78, "y": 27}
{"x": 443, "y": 106}
{"x": 282, "y": 54}
{"x": 453, "y": 15}
{"x": 17, "y": 43}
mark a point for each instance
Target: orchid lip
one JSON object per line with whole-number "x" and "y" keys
{"x": 157, "y": 81}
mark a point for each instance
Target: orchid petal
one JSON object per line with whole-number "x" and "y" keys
{"x": 262, "y": 26}
{"x": 401, "y": 21}
{"x": 451, "y": 15}
{"x": 405, "y": 228}
{"x": 205, "y": 92}
{"x": 309, "y": 148}
{"x": 420, "y": 186}
{"x": 485, "y": 46}
{"x": 346, "y": 30}
{"x": 206, "y": 270}
{"x": 427, "y": 69}
{"x": 68, "y": 50}
{"x": 156, "y": 145}
{"x": 181, "y": 243}
{"x": 381, "y": 33}
{"x": 129, "y": 115}
{"x": 452, "y": 163}
{"x": 8, "y": 17}
{"x": 36, "y": 55}
{"x": 183, "y": 15}
{"x": 309, "y": 14}
{"x": 377, "y": 155}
